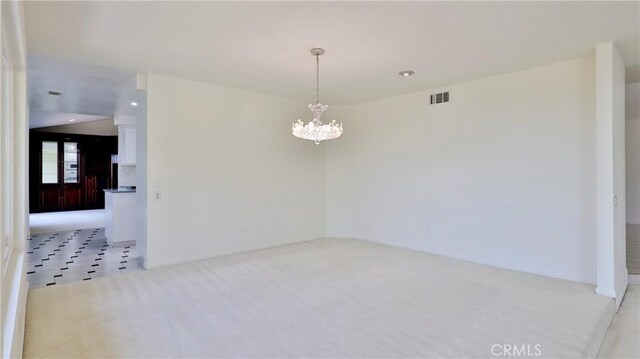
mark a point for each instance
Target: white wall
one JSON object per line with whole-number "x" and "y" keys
{"x": 128, "y": 115}
{"x": 632, "y": 143}
{"x": 610, "y": 158}
{"x": 504, "y": 174}
{"x": 126, "y": 175}
{"x": 230, "y": 174}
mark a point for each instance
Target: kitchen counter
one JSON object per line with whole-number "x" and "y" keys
{"x": 120, "y": 190}
{"x": 120, "y": 210}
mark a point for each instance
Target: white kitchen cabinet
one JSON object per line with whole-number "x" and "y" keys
{"x": 127, "y": 145}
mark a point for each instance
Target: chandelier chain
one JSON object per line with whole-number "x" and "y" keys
{"x": 317, "y": 78}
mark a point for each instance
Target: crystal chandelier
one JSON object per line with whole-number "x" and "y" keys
{"x": 315, "y": 130}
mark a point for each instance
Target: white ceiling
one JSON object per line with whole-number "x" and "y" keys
{"x": 264, "y": 46}
{"x": 39, "y": 118}
{"x": 87, "y": 90}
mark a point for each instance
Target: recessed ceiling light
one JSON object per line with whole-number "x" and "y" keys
{"x": 71, "y": 120}
{"x": 406, "y": 73}
{"x": 133, "y": 103}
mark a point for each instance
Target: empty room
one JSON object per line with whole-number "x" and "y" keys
{"x": 211, "y": 179}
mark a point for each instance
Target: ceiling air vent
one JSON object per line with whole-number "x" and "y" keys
{"x": 439, "y": 97}
{"x": 55, "y": 93}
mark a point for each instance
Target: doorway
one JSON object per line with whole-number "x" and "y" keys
{"x": 70, "y": 172}
{"x": 78, "y": 152}
{"x": 59, "y": 185}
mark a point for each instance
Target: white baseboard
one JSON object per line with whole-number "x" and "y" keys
{"x": 634, "y": 278}
{"x": 17, "y": 348}
{"x": 621, "y": 289}
{"x": 608, "y": 292}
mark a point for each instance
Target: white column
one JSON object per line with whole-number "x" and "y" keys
{"x": 21, "y": 159}
{"x": 610, "y": 157}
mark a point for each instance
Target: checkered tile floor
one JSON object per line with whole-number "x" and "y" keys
{"x": 71, "y": 256}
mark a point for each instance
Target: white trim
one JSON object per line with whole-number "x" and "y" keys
{"x": 8, "y": 158}
{"x": 14, "y": 320}
{"x": 13, "y": 285}
{"x": 16, "y": 48}
{"x": 606, "y": 292}
{"x": 6, "y": 254}
{"x": 610, "y": 217}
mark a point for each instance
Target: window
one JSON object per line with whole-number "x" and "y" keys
{"x": 49, "y": 162}
{"x": 70, "y": 162}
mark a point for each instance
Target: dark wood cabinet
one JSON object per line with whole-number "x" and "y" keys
{"x": 69, "y": 172}
{"x": 49, "y": 198}
{"x": 71, "y": 198}
{"x": 94, "y": 190}
{"x": 56, "y": 199}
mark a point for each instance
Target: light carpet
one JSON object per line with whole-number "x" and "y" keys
{"x": 324, "y": 298}
{"x": 623, "y": 338}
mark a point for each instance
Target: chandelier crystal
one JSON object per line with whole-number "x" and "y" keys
{"x": 315, "y": 130}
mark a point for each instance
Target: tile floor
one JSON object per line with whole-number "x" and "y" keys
{"x": 70, "y": 256}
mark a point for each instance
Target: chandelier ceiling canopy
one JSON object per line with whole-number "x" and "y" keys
{"x": 315, "y": 130}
